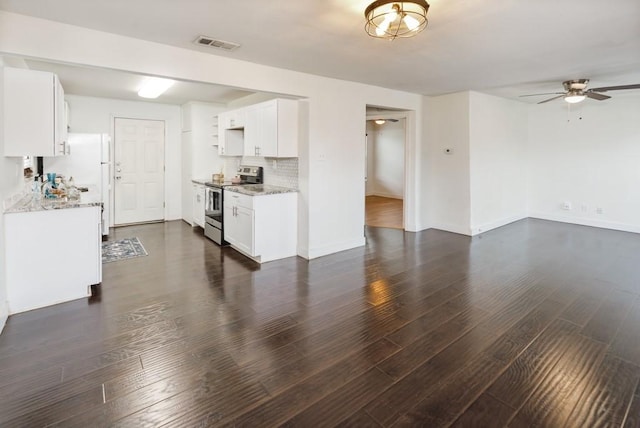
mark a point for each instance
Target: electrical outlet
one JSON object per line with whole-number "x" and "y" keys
{"x": 566, "y": 205}
{"x": 599, "y": 210}
{"x": 584, "y": 208}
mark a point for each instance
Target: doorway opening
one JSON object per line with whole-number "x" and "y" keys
{"x": 138, "y": 171}
{"x": 385, "y": 171}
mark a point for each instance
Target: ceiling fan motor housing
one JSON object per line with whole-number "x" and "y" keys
{"x": 575, "y": 85}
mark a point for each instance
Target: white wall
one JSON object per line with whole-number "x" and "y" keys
{"x": 498, "y": 142}
{"x": 591, "y": 161}
{"x": 11, "y": 181}
{"x": 333, "y": 116}
{"x": 447, "y": 186}
{"x": 385, "y": 175}
{"x": 95, "y": 115}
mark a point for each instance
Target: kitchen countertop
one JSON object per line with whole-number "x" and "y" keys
{"x": 200, "y": 180}
{"x": 28, "y": 203}
{"x": 259, "y": 189}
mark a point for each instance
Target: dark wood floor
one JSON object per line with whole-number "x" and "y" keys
{"x": 533, "y": 324}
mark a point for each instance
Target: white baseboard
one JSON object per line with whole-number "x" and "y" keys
{"x": 386, "y": 195}
{"x": 475, "y": 230}
{"x": 462, "y": 230}
{"x": 334, "y": 248}
{"x": 4, "y": 315}
{"x": 624, "y": 227}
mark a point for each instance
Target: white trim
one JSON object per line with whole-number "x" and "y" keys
{"x": 603, "y": 224}
{"x": 462, "y": 230}
{"x": 411, "y": 165}
{"x": 475, "y": 230}
{"x": 334, "y": 248}
{"x": 385, "y": 195}
{"x": 4, "y": 314}
{"x": 112, "y": 172}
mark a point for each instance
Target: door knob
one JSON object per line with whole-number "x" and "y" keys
{"x": 118, "y": 177}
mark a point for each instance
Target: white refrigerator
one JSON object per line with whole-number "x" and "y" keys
{"x": 89, "y": 163}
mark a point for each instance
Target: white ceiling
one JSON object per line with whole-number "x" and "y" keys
{"x": 103, "y": 83}
{"x": 503, "y": 47}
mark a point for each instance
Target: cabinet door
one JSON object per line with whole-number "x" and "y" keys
{"x": 230, "y": 224}
{"x": 29, "y": 120}
{"x": 198, "y": 205}
{"x": 237, "y": 118}
{"x": 268, "y": 125}
{"x": 252, "y": 131}
{"x": 245, "y": 232}
{"x": 60, "y": 117}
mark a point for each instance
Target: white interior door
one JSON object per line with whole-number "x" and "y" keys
{"x": 139, "y": 171}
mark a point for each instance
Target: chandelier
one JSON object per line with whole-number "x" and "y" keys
{"x": 388, "y": 19}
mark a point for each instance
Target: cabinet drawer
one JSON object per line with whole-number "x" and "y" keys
{"x": 238, "y": 199}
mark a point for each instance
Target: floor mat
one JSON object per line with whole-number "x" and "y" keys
{"x": 122, "y": 249}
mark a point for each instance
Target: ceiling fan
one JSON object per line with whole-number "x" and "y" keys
{"x": 576, "y": 91}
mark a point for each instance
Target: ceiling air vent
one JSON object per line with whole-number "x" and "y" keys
{"x": 215, "y": 43}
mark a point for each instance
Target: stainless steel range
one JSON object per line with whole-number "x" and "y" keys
{"x": 213, "y": 207}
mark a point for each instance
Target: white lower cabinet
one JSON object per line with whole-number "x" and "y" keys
{"x": 263, "y": 227}
{"x": 52, "y": 256}
{"x": 198, "y": 205}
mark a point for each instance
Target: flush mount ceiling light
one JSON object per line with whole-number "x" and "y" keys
{"x": 388, "y": 19}
{"x": 153, "y": 87}
{"x": 380, "y": 121}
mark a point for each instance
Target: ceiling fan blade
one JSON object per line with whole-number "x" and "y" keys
{"x": 596, "y": 96}
{"x": 546, "y": 93}
{"x": 616, "y": 88}
{"x": 551, "y": 99}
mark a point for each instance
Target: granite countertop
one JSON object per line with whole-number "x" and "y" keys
{"x": 200, "y": 180}
{"x": 28, "y": 203}
{"x": 259, "y": 189}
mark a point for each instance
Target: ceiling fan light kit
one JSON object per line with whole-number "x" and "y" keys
{"x": 388, "y": 19}
{"x": 573, "y": 97}
{"x": 576, "y": 91}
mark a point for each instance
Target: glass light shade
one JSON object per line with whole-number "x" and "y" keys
{"x": 388, "y": 19}
{"x": 380, "y": 121}
{"x": 153, "y": 87}
{"x": 574, "y": 98}
{"x": 411, "y": 22}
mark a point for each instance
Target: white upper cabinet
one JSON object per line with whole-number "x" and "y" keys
{"x": 231, "y": 133}
{"x": 34, "y": 113}
{"x": 233, "y": 119}
{"x": 271, "y": 129}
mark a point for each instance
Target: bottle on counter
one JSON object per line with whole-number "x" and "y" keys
{"x": 36, "y": 188}
{"x": 72, "y": 190}
{"x": 46, "y": 189}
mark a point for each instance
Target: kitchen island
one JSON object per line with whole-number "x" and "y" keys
{"x": 53, "y": 249}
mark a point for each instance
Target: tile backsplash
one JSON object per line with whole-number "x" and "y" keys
{"x": 277, "y": 172}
